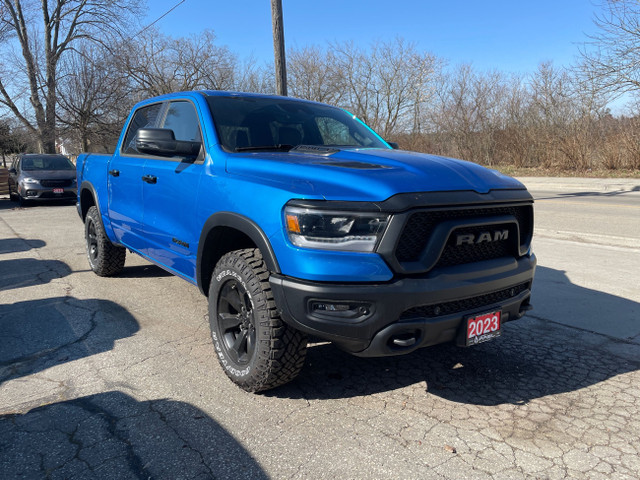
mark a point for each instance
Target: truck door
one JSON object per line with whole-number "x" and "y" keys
{"x": 170, "y": 195}
{"x": 125, "y": 181}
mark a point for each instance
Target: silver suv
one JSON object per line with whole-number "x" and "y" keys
{"x": 34, "y": 176}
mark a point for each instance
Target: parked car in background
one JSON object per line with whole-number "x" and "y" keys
{"x": 34, "y": 176}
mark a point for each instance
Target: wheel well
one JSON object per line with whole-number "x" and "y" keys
{"x": 86, "y": 202}
{"x": 220, "y": 241}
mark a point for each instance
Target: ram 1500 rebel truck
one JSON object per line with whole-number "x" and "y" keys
{"x": 297, "y": 219}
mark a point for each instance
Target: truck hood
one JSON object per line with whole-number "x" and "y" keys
{"x": 366, "y": 174}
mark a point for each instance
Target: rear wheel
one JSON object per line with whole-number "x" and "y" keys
{"x": 105, "y": 258}
{"x": 256, "y": 349}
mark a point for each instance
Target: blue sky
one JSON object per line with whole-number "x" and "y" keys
{"x": 511, "y": 36}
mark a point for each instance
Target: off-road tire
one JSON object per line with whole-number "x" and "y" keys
{"x": 256, "y": 349}
{"x": 105, "y": 258}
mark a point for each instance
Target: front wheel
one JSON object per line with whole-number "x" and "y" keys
{"x": 256, "y": 349}
{"x": 105, "y": 258}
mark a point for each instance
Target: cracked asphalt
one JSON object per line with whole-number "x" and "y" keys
{"x": 116, "y": 378}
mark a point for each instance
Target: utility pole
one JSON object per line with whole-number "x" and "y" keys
{"x": 278, "y": 47}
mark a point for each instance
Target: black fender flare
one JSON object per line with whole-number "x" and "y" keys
{"x": 86, "y": 185}
{"x": 242, "y": 224}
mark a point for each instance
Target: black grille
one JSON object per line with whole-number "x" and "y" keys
{"x": 473, "y": 303}
{"x": 420, "y": 226}
{"x": 454, "y": 254}
{"x": 56, "y": 183}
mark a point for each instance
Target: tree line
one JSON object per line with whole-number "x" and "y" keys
{"x": 73, "y": 72}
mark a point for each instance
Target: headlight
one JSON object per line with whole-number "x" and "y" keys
{"x": 30, "y": 180}
{"x": 349, "y": 231}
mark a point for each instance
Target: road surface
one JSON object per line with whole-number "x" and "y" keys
{"x": 117, "y": 378}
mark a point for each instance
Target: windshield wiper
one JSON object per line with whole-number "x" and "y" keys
{"x": 281, "y": 147}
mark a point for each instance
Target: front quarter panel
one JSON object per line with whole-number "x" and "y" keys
{"x": 328, "y": 265}
{"x": 92, "y": 176}
{"x": 262, "y": 203}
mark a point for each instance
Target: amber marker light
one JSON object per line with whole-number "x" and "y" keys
{"x": 292, "y": 224}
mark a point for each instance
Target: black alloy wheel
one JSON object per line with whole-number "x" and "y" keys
{"x": 92, "y": 241}
{"x": 236, "y": 322}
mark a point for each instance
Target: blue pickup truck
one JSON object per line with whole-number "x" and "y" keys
{"x": 296, "y": 219}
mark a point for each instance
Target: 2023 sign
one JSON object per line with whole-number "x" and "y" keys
{"x": 483, "y": 327}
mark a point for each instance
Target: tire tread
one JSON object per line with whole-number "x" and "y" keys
{"x": 283, "y": 354}
{"x": 111, "y": 258}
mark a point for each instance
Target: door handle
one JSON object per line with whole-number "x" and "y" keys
{"x": 149, "y": 179}
{"x": 115, "y": 173}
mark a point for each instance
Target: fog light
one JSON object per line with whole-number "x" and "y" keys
{"x": 32, "y": 193}
{"x": 328, "y": 309}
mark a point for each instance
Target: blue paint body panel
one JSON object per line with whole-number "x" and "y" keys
{"x": 163, "y": 221}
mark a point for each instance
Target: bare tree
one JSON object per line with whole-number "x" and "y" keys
{"x": 159, "y": 64}
{"x": 386, "y": 83}
{"x": 251, "y": 77}
{"x": 514, "y": 143}
{"x": 12, "y": 140}
{"x": 312, "y": 75}
{"x": 37, "y": 35}
{"x": 93, "y": 99}
{"x": 612, "y": 55}
{"x": 469, "y": 112}
{"x": 566, "y": 112}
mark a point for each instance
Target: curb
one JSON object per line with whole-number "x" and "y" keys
{"x": 620, "y": 185}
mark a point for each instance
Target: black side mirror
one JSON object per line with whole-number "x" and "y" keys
{"x": 13, "y": 171}
{"x": 394, "y": 145}
{"x": 162, "y": 142}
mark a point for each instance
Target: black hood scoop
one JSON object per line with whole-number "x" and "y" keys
{"x": 328, "y": 151}
{"x": 355, "y": 165}
{"x": 315, "y": 150}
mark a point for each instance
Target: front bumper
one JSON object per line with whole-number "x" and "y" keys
{"x": 38, "y": 192}
{"x": 409, "y": 313}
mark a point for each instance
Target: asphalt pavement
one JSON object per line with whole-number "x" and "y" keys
{"x": 588, "y": 230}
{"x": 117, "y": 378}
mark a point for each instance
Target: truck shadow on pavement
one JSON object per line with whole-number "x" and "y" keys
{"x": 39, "y": 334}
{"x": 29, "y": 272}
{"x": 112, "y": 435}
{"x": 144, "y": 271}
{"x": 535, "y": 357}
{"x": 10, "y": 245}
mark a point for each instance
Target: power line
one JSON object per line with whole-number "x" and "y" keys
{"x": 159, "y": 18}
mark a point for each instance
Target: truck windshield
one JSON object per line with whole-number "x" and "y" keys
{"x": 278, "y": 124}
